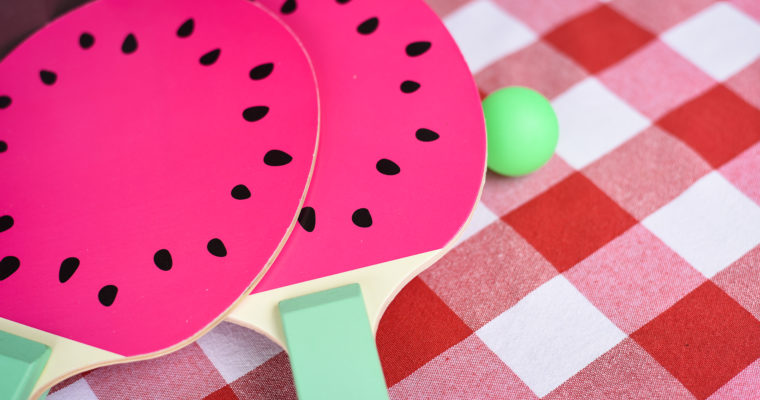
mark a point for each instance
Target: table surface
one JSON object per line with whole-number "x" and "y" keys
{"x": 628, "y": 267}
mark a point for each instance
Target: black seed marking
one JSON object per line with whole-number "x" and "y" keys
{"x": 253, "y": 114}
{"x": 5, "y": 101}
{"x": 3, "y": 147}
{"x": 163, "y": 260}
{"x": 409, "y": 86}
{"x": 277, "y": 158}
{"x": 288, "y": 7}
{"x": 241, "y": 192}
{"x": 307, "y": 218}
{"x": 387, "y": 167}
{"x": 342, "y": 1}
{"x": 107, "y": 295}
{"x": 368, "y": 26}
{"x": 210, "y": 57}
{"x": 186, "y": 29}
{"x": 68, "y": 267}
{"x": 417, "y": 48}
{"x": 8, "y": 265}
{"x": 86, "y": 40}
{"x": 262, "y": 71}
{"x": 129, "y": 45}
{"x": 6, "y": 222}
{"x": 362, "y": 218}
{"x": 216, "y": 247}
{"x": 426, "y": 135}
{"x": 48, "y": 77}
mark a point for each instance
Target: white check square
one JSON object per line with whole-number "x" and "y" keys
{"x": 235, "y": 350}
{"x": 721, "y": 40}
{"x": 711, "y": 224}
{"x": 593, "y": 121}
{"x": 550, "y": 335}
{"x": 486, "y": 33}
{"x": 481, "y": 218}
{"x": 79, "y": 390}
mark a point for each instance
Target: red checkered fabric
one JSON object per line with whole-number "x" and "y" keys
{"x": 628, "y": 267}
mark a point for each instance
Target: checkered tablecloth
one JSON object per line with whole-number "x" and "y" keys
{"x": 628, "y": 267}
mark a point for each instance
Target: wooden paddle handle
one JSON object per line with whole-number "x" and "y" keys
{"x": 21, "y": 364}
{"x": 331, "y": 347}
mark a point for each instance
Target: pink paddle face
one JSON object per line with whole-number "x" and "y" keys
{"x": 402, "y": 140}
{"x": 153, "y": 154}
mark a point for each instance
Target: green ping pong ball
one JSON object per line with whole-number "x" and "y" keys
{"x": 522, "y": 130}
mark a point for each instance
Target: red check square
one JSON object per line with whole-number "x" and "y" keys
{"x": 225, "y": 393}
{"x": 718, "y": 125}
{"x": 416, "y": 328}
{"x": 599, "y": 38}
{"x": 570, "y": 221}
{"x": 704, "y": 340}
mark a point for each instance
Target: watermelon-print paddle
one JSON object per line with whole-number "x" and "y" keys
{"x": 400, "y": 168}
{"x": 153, "y": 155}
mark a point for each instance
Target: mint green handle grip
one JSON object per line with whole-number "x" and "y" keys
{"x": 21, "y": 363}
{"x": 331, "y": 347}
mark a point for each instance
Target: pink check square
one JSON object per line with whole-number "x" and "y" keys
{"x": 543, "y": 15}
{"x": 537, "y": 66}
{"x": 467, "y": 370}
{"x": 634, "y": 278}
{"x": 146, "y": 379}
{"x": 488, "y": 274}
{"x": 746, "y": 84}
{"x": 641, "y": 176}
{"x": 745, "y": 385}
{"x": 503, "y": 194}
{"x": 741, "y": 281}
{"x": 742, "y": 172}
{"x": 625, "y": 372}
{"x": 658, "y": 15}
{"x": 656, "y": 79}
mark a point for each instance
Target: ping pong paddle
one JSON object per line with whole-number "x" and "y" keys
{"x": 399, "y": 171}
{"x": 154, "y": 158}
